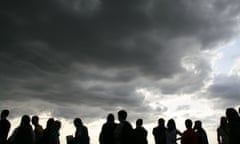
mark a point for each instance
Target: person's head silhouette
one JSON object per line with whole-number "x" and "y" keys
{"x": 171, "y": 125}
{"x": 232, "y": 115}
{"x": 110, "y": 118}
{"x": 161, "y": 122}
{"x": 139, "y": 122}
{"x": 35, "y": 120}
{"x": 25, "y": 120}
{"x": 4, "y": 114}
{"x": 197, "y": 124}
{"x": 122, "y": 115}
{"x": 77, "y": 122}
{"x": 188, "y": 123}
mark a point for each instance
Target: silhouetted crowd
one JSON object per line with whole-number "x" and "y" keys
{"x": 119, "y": 133}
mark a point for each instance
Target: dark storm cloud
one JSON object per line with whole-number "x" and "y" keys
{"x": 98, "y": 52}
{"x": 226, "y": 89}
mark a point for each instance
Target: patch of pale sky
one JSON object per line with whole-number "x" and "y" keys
{"x": 181, "y": 107}
{"x": 236, "y": 67}
{"x": 228, "y": 55}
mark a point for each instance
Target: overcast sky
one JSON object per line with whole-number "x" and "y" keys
{"x": 86, "y": 58}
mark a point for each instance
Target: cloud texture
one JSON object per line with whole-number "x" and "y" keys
{"x": 98, "y": 53}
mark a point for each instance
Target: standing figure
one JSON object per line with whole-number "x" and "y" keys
{"x": 81, "y": 134}
{"x": 38, "y": 130}
{"x": 171, "y": 132}
{"x": 159, "y": 132}
{"x": 24, "y": 133}
{"x": 123, "y": 133}
{"x": 201, "y": 133}
{"x": 189, "y": 136}
{"x": 140, "y": 133}
{"x": 223, "y": 131}
{"x": 4, "y": 126}
{"x": 107, "y": 132}
{"x": 234, "y": 125}
{"x": 47, "y": 137}
{"x": 55, "y": 135}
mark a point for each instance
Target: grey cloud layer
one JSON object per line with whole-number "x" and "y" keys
{"x": 98, "y": 52}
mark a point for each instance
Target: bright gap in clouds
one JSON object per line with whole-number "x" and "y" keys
{"x": 181, "y": 107}
{"x": 229, "y": 57}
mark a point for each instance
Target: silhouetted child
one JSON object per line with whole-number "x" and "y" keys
{"x": 38, "y": 130}
{"x": 189, "y": 136}
{"x": 171, "y": 132}
{"x": 140, "y": 133}
{"x": 223, "y": 131}
{"x": 4, "y": 126}
{"x": 81, "y": 134}
{"x": 123, "y": 133}
{"x": 159, "y": 132}
{"x": 24, "y": 133}
{"x": 201, "y": 133}
{"x": 107, "y": 132}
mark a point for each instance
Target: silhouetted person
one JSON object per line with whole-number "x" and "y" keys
{"x": 107, "y": 132}
{"x": 38, "y": 130}
{"x": 56, "y": 134}
{"x": 140, "y": 133}
{"x": 24, "y": 133}
{"x": 4, "y": 126}
{"x": 81, "y": 134}
{"x": 234, "y": 125}
{"x": 171, "y": 132}
{"x": 159, "y": 132}
{"x": 201, "y": 133}
{"x": 189, "y": 136}
{"x": 48, "y": 132}
{"x": 123, "y": 133}
{"x": 223, "y": 131}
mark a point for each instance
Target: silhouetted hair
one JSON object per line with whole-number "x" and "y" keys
{"x": 171, "y": 125}
{"x": 139, "y": 122}
{"x": 50, "y": 123}
{"x": 110, "y": 117}
{"x": 223, "y": 121}
{"x": 57, "y": 124}
{"x": 4, "y": 113}
{"x": 25, "y": 120}
{"x": 198, "y": 124}
{"x": 232, "y": 115}
{"x": 188, "y": 123}
{"x": 122, "y": 114}
{"x": 35, "y": 119}
{"x": 77, "y": 122}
